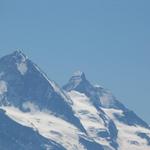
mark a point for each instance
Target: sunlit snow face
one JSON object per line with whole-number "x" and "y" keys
{"x": 22, "y": 64}
{"x": 22, "y": 67}
{"x": 30, "y": 106}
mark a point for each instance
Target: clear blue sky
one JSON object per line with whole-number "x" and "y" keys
{"x": 107, "y": 39}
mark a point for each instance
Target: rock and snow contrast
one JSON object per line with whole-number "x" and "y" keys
{"x": 37, "y": 114}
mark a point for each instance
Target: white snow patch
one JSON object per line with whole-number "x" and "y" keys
{"x": 22, "y": 67}
{"x": 3, "y": 87}
{"x": 21, "y": 62}
{"x": 107, "y": 100}
{"x": 97, "y": 86}
{"x": 30, "y": 106}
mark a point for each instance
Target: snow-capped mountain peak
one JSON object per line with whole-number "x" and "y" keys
{"x": 18, "y": 56}
{"x": 103, "y": 98}
{"x": 78, "y": 82}
{"x": 81, "y": 116}
{"x": 28, "y": 87}
{"x": 17, "y": 61}
{"x": 77, "y": 79}
{"x": 79, "y": 74}
{"x": 19, "y": 53}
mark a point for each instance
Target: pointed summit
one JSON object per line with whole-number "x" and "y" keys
{"x": 78, "y": 82}
{"x": 15, "y": 57}
{"x": 18, "y": 54}
{"x": 26, "y": 84}
{"x": 15, "y": 62}
{"x": 99, "y": 96}
{"x": 78, "y": 76}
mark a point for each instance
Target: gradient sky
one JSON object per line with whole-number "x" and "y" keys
{"x": 107, "y": 39}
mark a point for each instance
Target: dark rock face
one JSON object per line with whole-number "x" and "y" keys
{"x": 144, "y": 136}
{"x": 91, "y": 144}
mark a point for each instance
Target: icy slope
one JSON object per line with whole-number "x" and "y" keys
{"x": 47, "y": 125}
{"x": 96, "y": 107}
{"x": 97, "y": 124}
{"x": 14, "y": 136}
{"x": 102, "y": 98}
{"x": 129, "y": 137}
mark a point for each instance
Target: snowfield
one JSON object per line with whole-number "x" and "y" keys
{"x": 127, "y": 135}
{"x": 89, "y": 116}
{"x": 48, "y": 125}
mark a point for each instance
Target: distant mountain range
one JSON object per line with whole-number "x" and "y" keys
{"x": 37, "y": 114}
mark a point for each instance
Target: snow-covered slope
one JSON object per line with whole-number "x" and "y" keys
{"x": 26, "y": 86}
{"x": 95, "y": 105}
{"x": 37, "y": 114}
{"x": 14, "y": 136}
{"x": 133, "y": 137}
{"x": 96, "y": 123}
{"x": 47, "y": 125}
